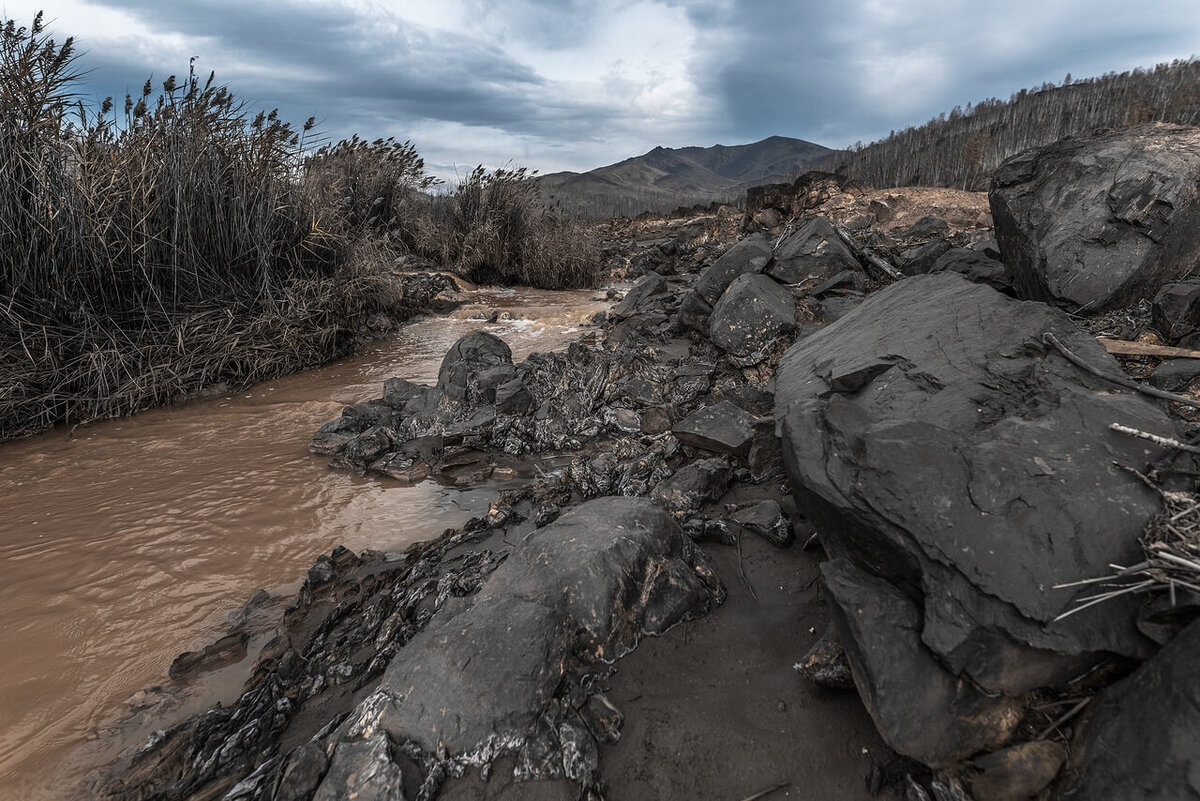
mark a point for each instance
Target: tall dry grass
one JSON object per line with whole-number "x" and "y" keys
{"x": 150, "y": 250}
{"x": 177, "y": 241}
{"x": 494, "y": 228}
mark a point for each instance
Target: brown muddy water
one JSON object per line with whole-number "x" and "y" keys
{"x": 135, "y": 539}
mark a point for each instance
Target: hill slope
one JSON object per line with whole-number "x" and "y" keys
{"x": 961, "y": 150}
{"x": 666, "y": 178}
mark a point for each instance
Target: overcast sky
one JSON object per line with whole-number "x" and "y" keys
{"x": 576, "y": 84}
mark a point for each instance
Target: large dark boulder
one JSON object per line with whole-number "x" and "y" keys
{"x": 750, "y": 255}
{"x": 1140, "y": 740}
{"x": 577, "y": 593}
{"x": 939, "y": 443}
{"x": 475, "y": 365}
{"x": 1098, "y": 223}
{"x": 920, "y": 709}
{"x": 750, "y": 317}
{"x": 814, "y": 250}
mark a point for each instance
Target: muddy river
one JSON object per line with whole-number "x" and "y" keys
{"x": 135, "y": 539}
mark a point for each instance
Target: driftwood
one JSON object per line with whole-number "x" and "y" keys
{"x": 1125, "y": 348}
{"x": 1120, "y": 381}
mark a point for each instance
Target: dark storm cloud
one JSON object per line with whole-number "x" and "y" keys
{"x": 835, "y": 72}
{"x": 356, "y": 71}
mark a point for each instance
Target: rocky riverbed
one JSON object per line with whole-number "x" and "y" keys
{"x": 842, "y": 454}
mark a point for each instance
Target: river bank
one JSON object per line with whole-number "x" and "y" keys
{"x": 182, "y": 513}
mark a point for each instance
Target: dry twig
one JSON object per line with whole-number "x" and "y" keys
{"x": 1121, "y": 381}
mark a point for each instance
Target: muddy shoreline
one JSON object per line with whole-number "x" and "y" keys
{"x": 676, "y": 686}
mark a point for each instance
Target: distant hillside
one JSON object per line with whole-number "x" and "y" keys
{"x": 961, "y": 150}
{"x": 666, "y": 178}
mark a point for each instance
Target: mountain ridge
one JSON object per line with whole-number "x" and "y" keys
{"x": 665, "y": 178}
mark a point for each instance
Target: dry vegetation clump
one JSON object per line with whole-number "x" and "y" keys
{"x": 1170, "y": 570}
{"x": 151, "y": 250}
{"x": 494, "y": 228}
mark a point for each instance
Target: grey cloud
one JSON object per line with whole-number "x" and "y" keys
{"x": 808, "y": 68}
{"x": 796, "y": 68}
{"x": 348, "y": 68}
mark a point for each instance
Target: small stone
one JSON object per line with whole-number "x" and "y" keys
{"x": 603, "y": 719}
{"x": 1175, "y": 374}
{"x": 825, "y": 664}
{"x": 766, "y": 519}
{"x": 1176, "y": 309}
{"x": 546, "y": 513}
{"x": 656, "y": 420}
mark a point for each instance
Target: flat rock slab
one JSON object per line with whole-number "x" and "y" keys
{"x": 1099, "y": 223}
{"x": 577, "y": 592}
{"x": 720, "y": 427}
{"x": 1140, "y": 740}
{"x": 938, "y": 443}
{"x": 750, "y": 317}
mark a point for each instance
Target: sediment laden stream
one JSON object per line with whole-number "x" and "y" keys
{"x": 134, "y": 540}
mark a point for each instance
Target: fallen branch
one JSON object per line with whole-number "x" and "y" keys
{"x": 742, "y": 569}
{"x": 766, "y": 792}
{"x": 864, "y": 255}
{"x": 1121, "y": 381}
{"x": 1127, "y": 348}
